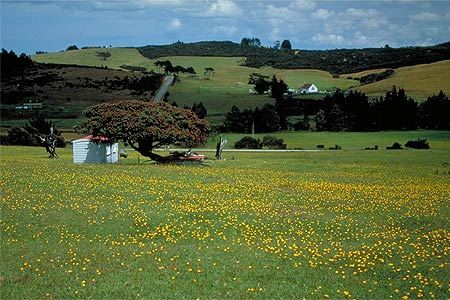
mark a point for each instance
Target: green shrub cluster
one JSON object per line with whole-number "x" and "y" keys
{"x": 270, "y": 142}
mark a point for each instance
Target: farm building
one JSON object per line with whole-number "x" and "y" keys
{"x": 309, "y": 88}
{"x": 90, "y": 149}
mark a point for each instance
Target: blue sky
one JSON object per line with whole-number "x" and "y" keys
{"x": 53, "y": 25}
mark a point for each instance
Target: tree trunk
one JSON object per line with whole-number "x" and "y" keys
{"x": 220, "y": 145}
{"x": 145, "y": 149}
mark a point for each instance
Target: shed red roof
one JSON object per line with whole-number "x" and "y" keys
{"x": 95, "y": 138}
{"x": 306, "y": 85}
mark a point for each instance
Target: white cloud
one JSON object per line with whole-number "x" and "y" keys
{"x": 302, "y": 4}
{"x": 175, "y": 24}
{"x": 323, "y": 14}
{"x": 275, "y": 34}
{"x": 138, "y": 3}
{"x": 356, "y": 13}
{"x": 224, "y": 8}
{"x": 425, "y": 16}
{"x": 277, "y": 12}
{"x": 334, "y": 39}
{"x": 360, "y": 39}
{"x": 160, "y": 2}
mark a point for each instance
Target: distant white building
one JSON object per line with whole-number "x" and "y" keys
{"x": 90, "y": 149}
{"x": 29, "y": 106}
{"x": 308, "y": 88}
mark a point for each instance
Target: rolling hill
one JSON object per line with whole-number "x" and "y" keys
{"x": 420, "y": 81}
{"x": 227, "y": 87}
{"x": 337, "y": 61}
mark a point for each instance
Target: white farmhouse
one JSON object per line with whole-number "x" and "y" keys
{"x": 90, "y": 149}
{"x": 308, "y": 88}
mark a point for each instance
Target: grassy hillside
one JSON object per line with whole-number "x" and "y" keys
{"x": 419, "y": 82}
{"x": 88, "y": 57}
{"x": 229, "y": 85}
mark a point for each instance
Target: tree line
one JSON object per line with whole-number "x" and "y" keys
{"x": 13, "y": 64}
{"x": 352, "y": 111}
{"x": 337, "y": 61}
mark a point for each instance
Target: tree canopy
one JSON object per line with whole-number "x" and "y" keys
{"x": 145, "y": 126}
{"x": 286, "y": 45}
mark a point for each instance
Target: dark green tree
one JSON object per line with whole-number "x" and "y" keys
{"x": 12, "y": 65}
{"x": 238, "y": 121}
{"x": 303, "y": 123}
{"x": 262, "y": 86}
{"x": 104, "y": 55}
{"x": 396, "y": 111}
{"x": 336, "y": 120}
{"x": 266, "y": 119}
{"x": 245, "y": 42}
{"x": 276, "y": 45}
{"x": 319, "y": 118}
{"x": 199, "y": 110}
{"x": 278, "y": 87}
{"x": 72, "y": 47}
{"x": 434, "y": 113}
{"x": 286, "y": 45}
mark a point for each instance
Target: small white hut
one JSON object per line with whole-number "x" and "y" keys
{"x": 90, "y": 149}
{"x": 308, "y": 88}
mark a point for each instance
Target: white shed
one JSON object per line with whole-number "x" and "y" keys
{"x": 90, "y": 149}
{"x": 309, "y": 88}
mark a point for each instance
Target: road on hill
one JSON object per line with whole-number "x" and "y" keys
{"x": 168, "y": 80}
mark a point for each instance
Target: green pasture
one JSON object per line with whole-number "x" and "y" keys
{"x": 228, "y": 85}
{"x": 438, "y": 140}
{"x": 286, "y": 225}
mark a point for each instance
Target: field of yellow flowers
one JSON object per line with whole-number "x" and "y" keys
{"x": 345, "y": 224}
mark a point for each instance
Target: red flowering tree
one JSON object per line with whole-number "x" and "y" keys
{"x": 144, "y": 125}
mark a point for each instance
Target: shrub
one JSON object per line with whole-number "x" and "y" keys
{"x": 247, "y": 142}
{"x": 19, "y": 136}
{"x": 419, "y": 144}
{"x": 273, "y": 143}
{"x": 72, "y": 47}
{"x": 133, "y": 68}
{"x": 395, "y": 146}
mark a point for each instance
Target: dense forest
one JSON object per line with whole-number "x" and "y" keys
{"x": 338, "y": 61}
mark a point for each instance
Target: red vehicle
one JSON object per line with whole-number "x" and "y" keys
{"x": 187, "y": 157}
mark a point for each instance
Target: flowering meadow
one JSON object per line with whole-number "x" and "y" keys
{"x": 314, "y": 225}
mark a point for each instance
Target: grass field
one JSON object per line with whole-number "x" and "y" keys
{"x": 439, "y": 140}
{"x": 329, "y": 224}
